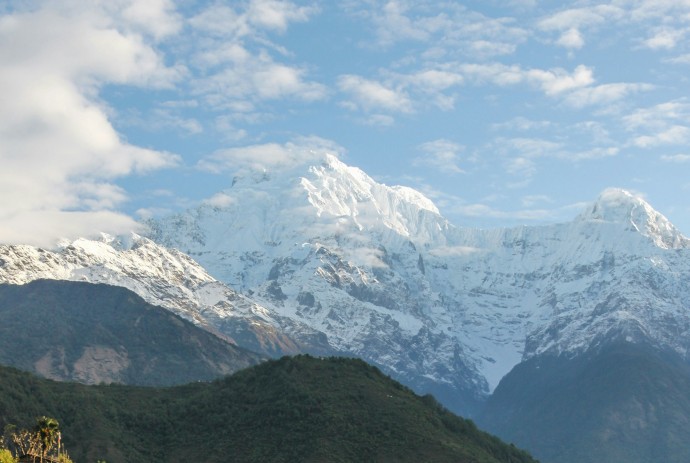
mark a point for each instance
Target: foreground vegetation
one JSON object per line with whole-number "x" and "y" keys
{"x": 299, "y": 409}
{"x": 41, "y": 444}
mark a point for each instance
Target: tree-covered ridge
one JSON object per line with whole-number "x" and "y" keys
{"x": 299, "y": 409}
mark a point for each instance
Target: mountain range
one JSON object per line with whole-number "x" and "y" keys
{"x": 323, "y": 259}
{"x": 445, "y": 309}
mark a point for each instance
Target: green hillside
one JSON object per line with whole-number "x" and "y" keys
{"x": 299, "y": 409}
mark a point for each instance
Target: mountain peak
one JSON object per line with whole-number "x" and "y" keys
{"x": 620, "y": 206}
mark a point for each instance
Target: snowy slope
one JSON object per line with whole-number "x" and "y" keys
{"x": 164, "y": 277}
{"x": 385, "y": 277}
{"x": 336, "y": 251}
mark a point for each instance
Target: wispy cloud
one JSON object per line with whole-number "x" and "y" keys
{"x": 663, "y": 124}
{"x": 442, "y": 155}
{"x": 220, "y": 200}
{"x": 604, "y": 94}
{"x": 371, "y": 95}
{"x": 664, "y": 38}
{"x": 252, "y": 19}
{"x": 450, "y": 27}
{"x": 270, "y": 156}
{"x": 521, "y": 124}
{"x": 680, "y": 59}
{"x": 246, "y": 79}
{"x": 676, "y": 158}
{"x": 553, "y": 82}
{"x": 235, "y": 63}
{"x": 674, "y": 135}
{"x": 401, "y": 92}
{"x": 571, "y": 22}
{"x": 663, "y": 22}
{"x": 658, "y": 116}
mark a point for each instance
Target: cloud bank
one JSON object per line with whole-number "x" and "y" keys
{"x": 58, "y": 150}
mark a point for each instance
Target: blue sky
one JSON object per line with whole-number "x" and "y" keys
{"x": 502, "y": 112}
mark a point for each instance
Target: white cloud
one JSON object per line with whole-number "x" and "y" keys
{"x": 522, "y": 155}
{"x": 58, "y": 149}
{"x": 156, "y": 17}
{"x": 371, "y": 95}
{"x": 593, "y": 153}
{"x": 557, "y": 81}
{"x": 255, "y": 17}
{"x": 663, "y": 22}
{"x": 680, "y": 59}
{"x": 572, "y": 38}
{"x": 160, "y": 119}
{"x": 401, "y": 92}
{"x": 666, "y": 123}
{"x": 487, "y": 48}
{"x": 45, "y": 227}
{"x": 676, "y": 158}
{"x": 277, "y": 14}
{"x": 570, "y": 23}
{"x": 657, "y": 117}
{"x": 220, "y": 200}
{"x": 531, "y": 200}
{"x": 521, "y": 124}
{"x": 664, "y": 38}
{"x": 532, "y": 147}
{"x": 664, "y": 10}
{"x": 450, "y": 27}
{"x": 575, "y": 88}
{"x": 379, "y": 120}
{"x": 674, "y": 135}
{"x": 433, "y": 80}
{"x": 576, "y": 17}
{"x": 234, "y": 67}
{"x": 394, "y": 22}
{"x": 270, "y": 156}
{"x": 246, "y": 79}
{"x": 552, "y": 81}
{"x": 442, "y": 155}
{"x": 364, "y": 256}
{"x": 521, "y": 166}
{"x": 604, "y": 94}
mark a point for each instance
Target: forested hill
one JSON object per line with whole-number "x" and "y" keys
{"x": 299, "y": 409}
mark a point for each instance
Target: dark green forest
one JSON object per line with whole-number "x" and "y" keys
{"x": 298, "y": 409}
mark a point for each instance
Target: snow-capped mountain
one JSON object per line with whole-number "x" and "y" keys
{"x": 384, "y": 276}
{"x": 163, "y": 277}
{"x": 324, "y": 259}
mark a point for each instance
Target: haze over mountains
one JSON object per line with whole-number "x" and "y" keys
{"x": 323, "y": 259}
